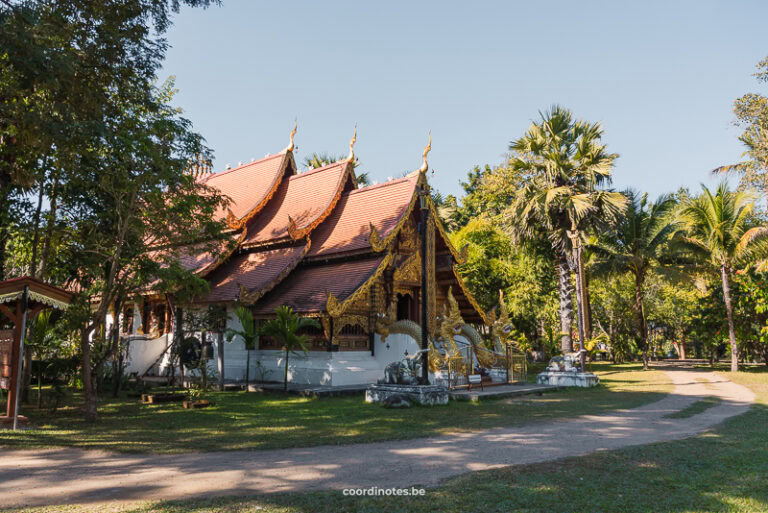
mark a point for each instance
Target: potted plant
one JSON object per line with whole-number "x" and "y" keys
{"x": 195, "y": 399}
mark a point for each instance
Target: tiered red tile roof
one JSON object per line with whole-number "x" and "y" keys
{"x": 300, "y": 236}
{"x": 249, "y": 186}
{"x": 306, "y": 289}
{"x": 306, "y": 198}
{"x": 348, "y": 228}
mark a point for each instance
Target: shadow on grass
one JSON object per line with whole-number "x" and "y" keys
{"x": 723, "y": 470}
{"x": 254, "y": 421}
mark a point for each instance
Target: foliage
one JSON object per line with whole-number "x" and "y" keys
{"x": 288, "y": 328}
{"x": 248, "y": 334}
{"x": 641, "y": 243}
{"x": 318, "y": 160}
{"x": 525, "y": 277}
{"x": 751, "y": 112}
{"x": 612, "y": 307}
{"x": 751, "y": 308}
{"x": 564, "y": 165}
{"x": 718, "y": 232}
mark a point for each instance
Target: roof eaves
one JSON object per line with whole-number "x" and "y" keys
{"x": 237, "y": 224}
{"x": 251, "y": 296}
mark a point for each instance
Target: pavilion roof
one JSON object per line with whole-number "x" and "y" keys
{"x": 39, "y": 292}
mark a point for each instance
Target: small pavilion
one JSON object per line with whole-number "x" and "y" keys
{"x": 21, "y": 299}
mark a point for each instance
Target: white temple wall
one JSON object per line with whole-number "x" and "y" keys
{"x": 398, "y": 344}
{"x": 143, "y": 353}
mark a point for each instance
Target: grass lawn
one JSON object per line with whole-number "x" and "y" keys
{"x": 255, "y": 421}
{"x": 722, "y": 470}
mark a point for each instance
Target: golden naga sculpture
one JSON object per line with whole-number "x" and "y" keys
{"x": 384, "y": 321}
{"x": 233, "y": 223}
{"x": 449, "y": 326}
{"x": 351, "y": 157}
{"x": 501, "y": 327}
{"x": 291, "y": 145}
{"x": 375, "y": 239}
{"x": 293, "y": 230}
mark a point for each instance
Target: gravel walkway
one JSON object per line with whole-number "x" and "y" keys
{"x": 68, "y": 476}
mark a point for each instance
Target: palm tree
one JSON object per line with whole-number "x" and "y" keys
{"x": 639, "y": 245}
{"x": 717, "y": 228}
{"x": 250, "y": 335}
{"x": 42, "y": 339}
{"x": 565, "y": 164}
{"x": 316, "y": 160}
{"x": 286, "y": 329}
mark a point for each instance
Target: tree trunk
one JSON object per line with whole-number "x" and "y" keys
{"x": 89, "y": 387}
{"x": 33, "y": 267}
{"x": 117, "y": 349}
{"x": 50, "y": 223}
{"x": 5, "y": 195}
{"x": 729, "y": 311}
{"x": 580, "y": 304}
{"x": 588, "y": 332}
{"x": 565, "y": 291}
{"x": 640, "y": 312}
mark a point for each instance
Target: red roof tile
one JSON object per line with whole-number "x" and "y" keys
{"x": 306, "y": 289}
{"x": 250, "y": 184}
{"x": 348, "y": 228}
{"x": 256, "y": 271}
{"x": 307, "y": 198}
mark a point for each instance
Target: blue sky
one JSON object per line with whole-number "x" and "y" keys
{"x": 660, "y": 75}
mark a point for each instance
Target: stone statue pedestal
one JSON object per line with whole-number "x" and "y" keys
{"x": 425, "y": 395}
{"x": 568, "y": 379}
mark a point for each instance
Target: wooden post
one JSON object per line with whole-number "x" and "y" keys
{"x": 424, "y": 302}
{"x": 21, "y": 308}
{"x": 15, "y": 364}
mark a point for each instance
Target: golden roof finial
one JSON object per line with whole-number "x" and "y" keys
{"x": 424, "y": 166}
{"x": 291, "y": 146}
{"x": 352, "y": 142}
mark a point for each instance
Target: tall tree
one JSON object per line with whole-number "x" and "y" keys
{"x": 752, "y": 116}
{"x": 717, "y": 229}
{"x": 638, "y": 245}
{"x": 566, "y": 164}
{"x": 77, "y": 82}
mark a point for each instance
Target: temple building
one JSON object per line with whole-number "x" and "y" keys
{"x": 346, "y": 255}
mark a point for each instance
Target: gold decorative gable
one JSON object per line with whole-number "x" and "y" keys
{"x": 336, "y": 308}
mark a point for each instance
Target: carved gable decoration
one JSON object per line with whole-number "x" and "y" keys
{"x": 410, "y": 270}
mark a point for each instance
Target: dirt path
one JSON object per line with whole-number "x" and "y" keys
{"x": 68, "y": 476}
